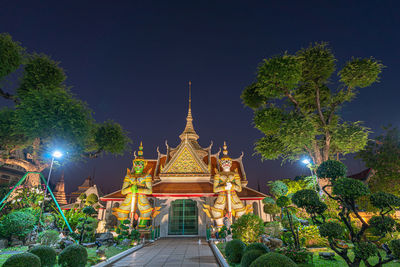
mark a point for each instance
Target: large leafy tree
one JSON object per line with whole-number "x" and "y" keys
{"x": 296, "y": 104}
{"x": 382, "y": 155}
{"x": 45, "y": 114}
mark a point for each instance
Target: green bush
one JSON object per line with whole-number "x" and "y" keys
{"x": 283, "y": 201}
{"x": 278, "y": 188}
{"x": 73, "y": 256}
{"x": 380, "y": 226}
{"x": 395, "y": 247}
{"x": 46, "y": 254}
{"x": 364, "y": 250}
{"x": 92, "y": 199}
{"x": 248, "y": 228}
{"x": 49, "y": 237}
{"x": 331, "y": 169}
{"x": 25, "y": 259}
{"x": 298, "y": 256}
{"x": 310, "y": 237}
{"x": 273, "y": 260}
{"x": 349, "y": 188}
{"x": 331, "y": 230}
{"x": 250, "y": 256}
{"x": 17, "y": 223}
{"x": 382, "y": 200}
{"x": 234, "y": 250}
{"x": 257, "y": 246}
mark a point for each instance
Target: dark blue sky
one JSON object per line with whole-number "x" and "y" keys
{"x": 131, "y": 62}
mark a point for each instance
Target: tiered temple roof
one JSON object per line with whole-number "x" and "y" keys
{"x": 188, "y": 169}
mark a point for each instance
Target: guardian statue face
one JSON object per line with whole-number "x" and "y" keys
{"x": 138, "y": 166}
{"x": 226, "y": 163}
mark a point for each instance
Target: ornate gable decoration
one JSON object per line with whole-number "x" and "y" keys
{"x": 185, "y": 161}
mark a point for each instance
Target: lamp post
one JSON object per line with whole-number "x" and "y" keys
{"x": 309, "y": 165}
{"x": 55, "y": 154}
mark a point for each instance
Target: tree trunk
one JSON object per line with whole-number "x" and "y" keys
{"x": 32, "y": 179}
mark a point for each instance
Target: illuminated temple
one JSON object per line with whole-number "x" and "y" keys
{"x": 182, "y": 184}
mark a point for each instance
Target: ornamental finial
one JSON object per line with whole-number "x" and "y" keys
{"x": 139, "y": 153}
{"x": 225, "y": 152}
{"x": 189, "y": 130}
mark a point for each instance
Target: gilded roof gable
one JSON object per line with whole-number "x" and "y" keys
{"x": 185, "y": 161}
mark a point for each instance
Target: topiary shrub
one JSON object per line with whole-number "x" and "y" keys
{"x": 49, "y": 237}
{"x": 331, "y": 230}
{"x": 349, "y": 188}
{"x": 17, "y": 223}
{"x": 234, "y": 250}
{"x": 278, "y": 188}
{"x": 380, "y": 226}
{"x": 332, "y": 169}
{"x": 248, "y": 228}
{"x": 92, "y": 199}
{"x": 364, "y": 250}
{"x": 273, "y": 260}
{"x": 257, "y": 246}
{"x": 25, "y": 259}
{"x": 250, "y": 256}
{"x": 395, "y": 247}
{"x": 46, "y": 254}
{"x": 73, "y": 256}
{"x": 309, "y": 200}
{"x": 382, "y": 200}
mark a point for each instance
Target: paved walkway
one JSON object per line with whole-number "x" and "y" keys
{"x": 171, "y": 252}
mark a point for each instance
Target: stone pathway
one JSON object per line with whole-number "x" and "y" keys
{"x": 171, "y": 252}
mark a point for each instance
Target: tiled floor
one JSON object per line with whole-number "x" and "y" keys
{"x": 170, "y": 252}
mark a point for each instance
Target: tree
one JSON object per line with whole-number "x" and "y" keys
{"x": 296, "y": 104}
{"x": 382, "y": 155}
{"x": 47, "y": 115}
{"x": 346, "y": 192}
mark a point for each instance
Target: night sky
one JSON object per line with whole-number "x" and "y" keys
{"x": 131, "y": 62}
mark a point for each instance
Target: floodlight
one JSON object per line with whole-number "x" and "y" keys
{"x": 57, "y": 154}
{"x": 306, "y": 161}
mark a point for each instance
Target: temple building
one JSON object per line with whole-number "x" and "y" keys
{"x": 182, "y": 183}
{"x": 88, "y": 187}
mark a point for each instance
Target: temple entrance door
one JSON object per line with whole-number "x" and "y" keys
{"x": 183, "y": 217}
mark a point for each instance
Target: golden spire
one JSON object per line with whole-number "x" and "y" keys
{"x": 189, "y": 131}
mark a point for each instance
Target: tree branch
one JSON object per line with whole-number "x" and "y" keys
{"x": 21, "y": 163}
{"x": 318, "y": 102}
{"x": 8, "y": 96}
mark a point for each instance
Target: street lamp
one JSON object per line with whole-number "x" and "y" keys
{"x": 309, "y": 165}
{"x": 56, "y": 154}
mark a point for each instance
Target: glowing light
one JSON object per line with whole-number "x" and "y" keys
{"x": 306, "y": 161}
{"x": 57, "y": 154}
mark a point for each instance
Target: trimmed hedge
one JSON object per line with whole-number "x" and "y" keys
{"x": 250, "y": 256}
{"x": 234, "y": 250}
{"x": 47, "y": 255}
{"x": 257, "y": 246}
{"x": 73, "y": 256}
{"x": 25, "y": 259}
{"x": 273, "y": 259}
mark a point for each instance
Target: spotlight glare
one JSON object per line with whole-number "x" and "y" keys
{"x": 57, "y": 154}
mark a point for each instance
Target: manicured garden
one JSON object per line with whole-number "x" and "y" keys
{"x": 30, "y": 237}
{"x": 323, "y": 227}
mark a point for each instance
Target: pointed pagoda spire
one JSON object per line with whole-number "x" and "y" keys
{"x": 59, "y": 192}
{"x": 189, "y": 132}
